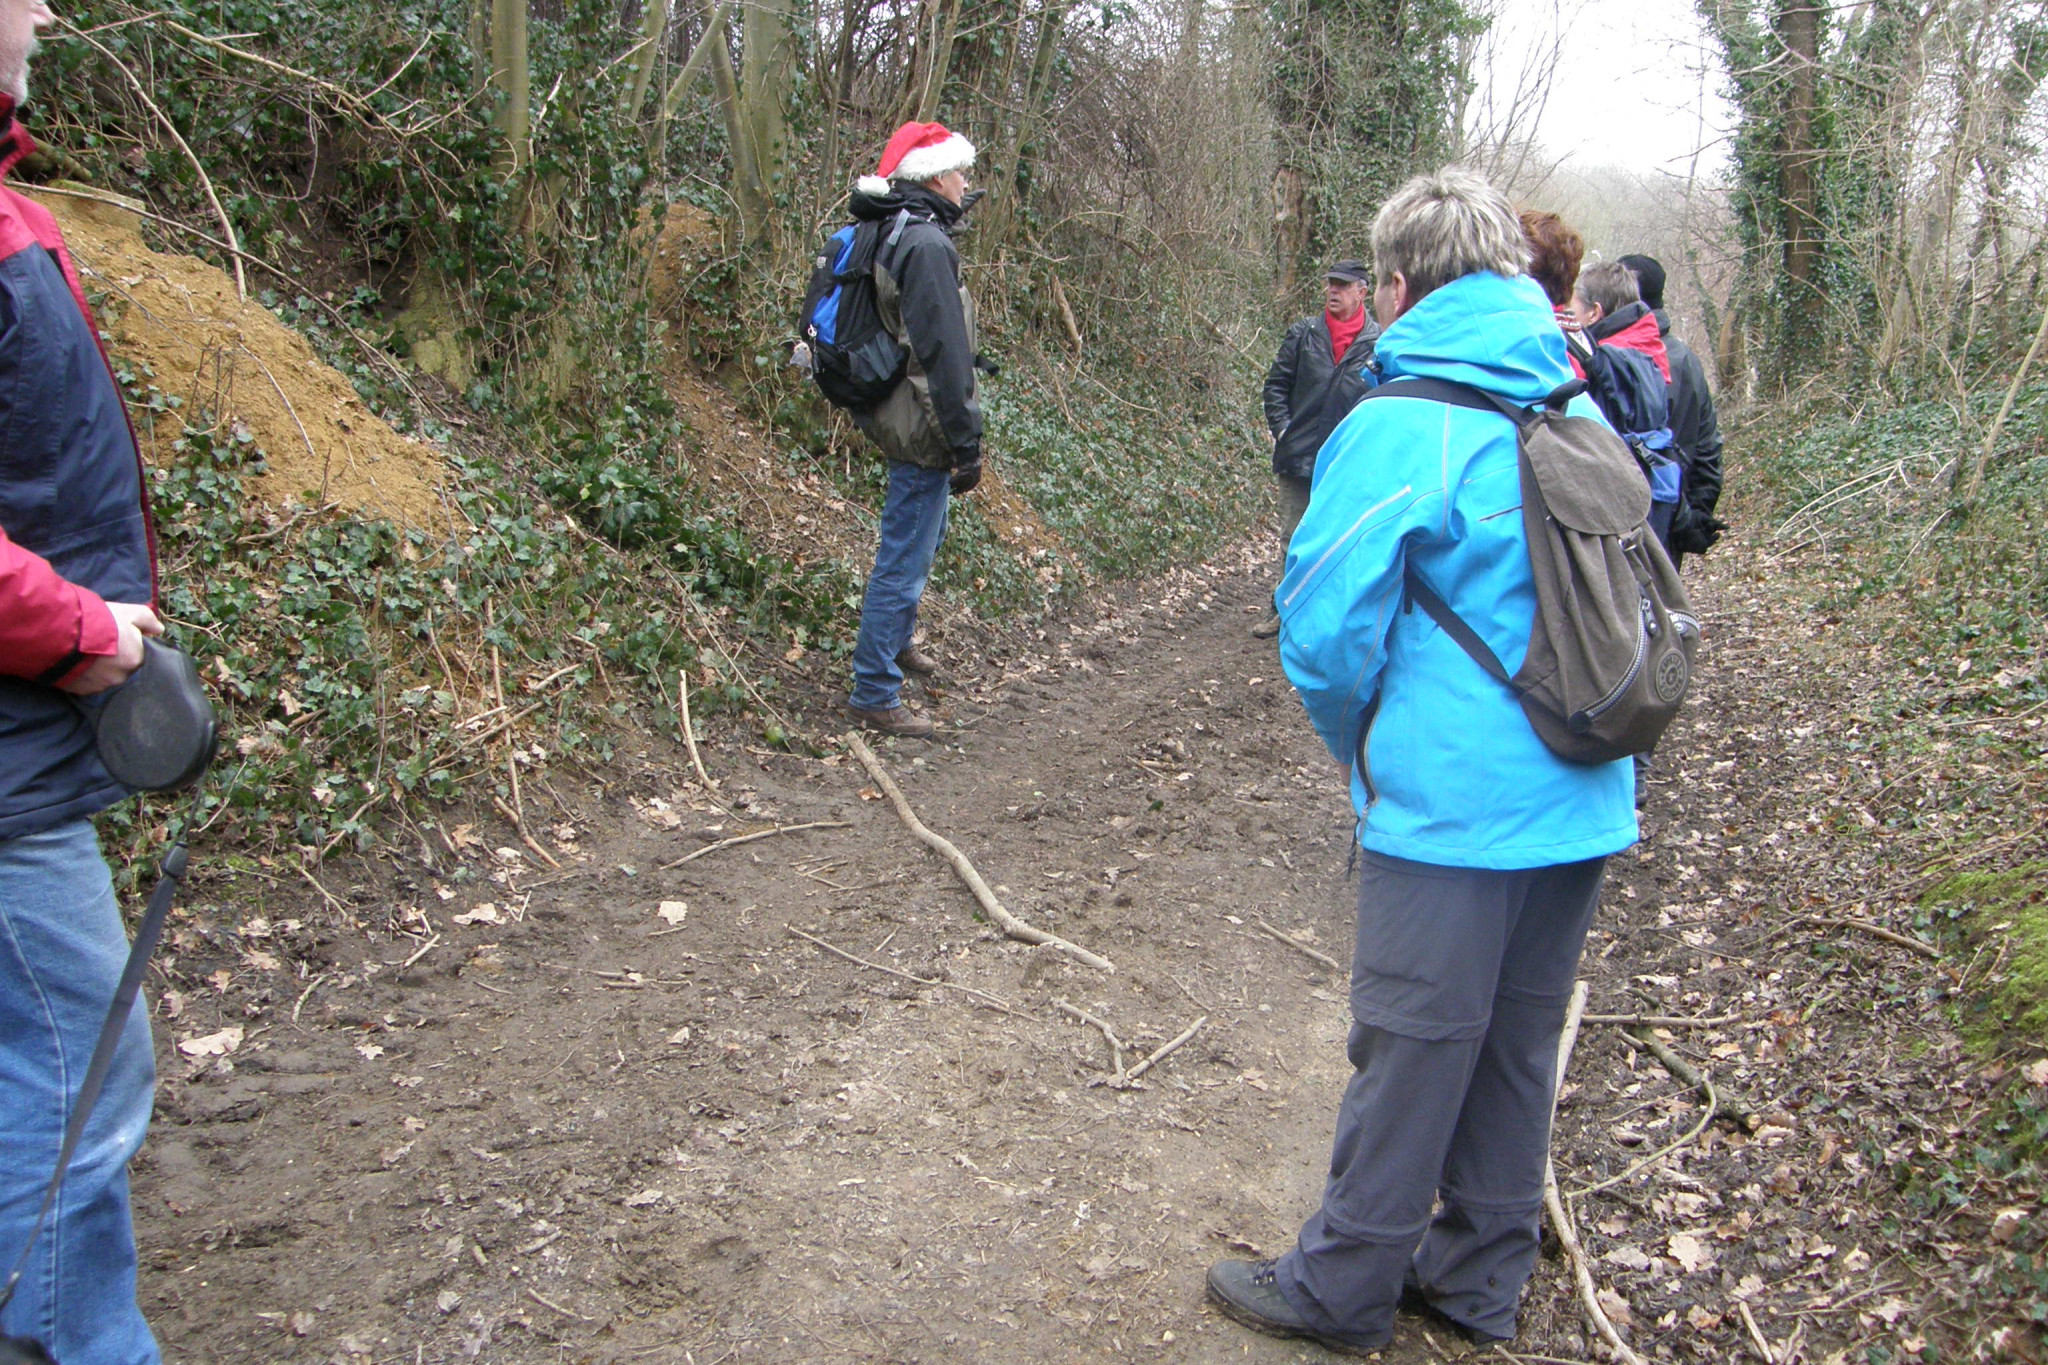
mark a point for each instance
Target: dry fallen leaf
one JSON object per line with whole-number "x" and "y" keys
{"x": 2036, "y": 1072}
{"x": 2007, "y": 1225}
{"x": 644, "y": 1199}
{"x": 675, "y": 912}
{"x": 484, "y": 913}
{"x": 1687, "y": 1251}
{"x": 213, "y": 1044}
{"x": 371, "y": 1052}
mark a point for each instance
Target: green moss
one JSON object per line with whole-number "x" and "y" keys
{"x": 1999, "y": 917}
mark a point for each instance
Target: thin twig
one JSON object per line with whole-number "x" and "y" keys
{"x": 1756, "y": 1334}
{"x": 536, "y": 1296}
{"x": 1878, "y": 931}
{"x": 1166, "y": 1051}
{"x": 1636, "y": 1168}
{"x": 697, "y": 853}
{"x": 325, "y": 894}
{"x": 690, "y": 731}
{"x": 1298, "y": 946}
{"x": 227, "y": 226}
{"x": 1011, "y": 925}
{"x": 423, "y": 950}
{"x": 1661, "y": 1020}
{"x": 992, "y": 1001}
{"x": 1561, "y": 1220}
{"x": 1116, "y": 1046}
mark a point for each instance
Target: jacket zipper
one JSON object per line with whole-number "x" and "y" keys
{"x": 1363, "y": 766}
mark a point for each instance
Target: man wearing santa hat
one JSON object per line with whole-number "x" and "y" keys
{"x": 929, "y": 426}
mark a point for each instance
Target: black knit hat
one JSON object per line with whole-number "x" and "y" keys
{"x": 1350, "y": 272}
{"x": 1649, "y": 273}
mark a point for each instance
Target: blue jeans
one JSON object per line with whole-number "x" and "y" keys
{"x": 62, "y": 948}
{"x": 913, "y": 523}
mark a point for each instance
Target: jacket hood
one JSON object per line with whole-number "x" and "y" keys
{"x": 1484, "y": 329}
{"x": 1663, "y": 317}
{"x": 1634, "y": 328}
{"x": 15, "y": 142}
{"x": 921, "y": 202}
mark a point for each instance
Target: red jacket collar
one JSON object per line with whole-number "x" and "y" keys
{"x": 15, "y": 142}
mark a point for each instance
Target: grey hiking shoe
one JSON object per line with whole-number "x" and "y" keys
{"x": 1268, "y": 628}
{"x": 901, "y": 720}
{"x": 1247, "y": 1293}
{"x": 914, "y": 660}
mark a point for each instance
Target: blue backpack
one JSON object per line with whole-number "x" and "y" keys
{"x": 1636, "y": 401}
{"x": 853, "y": 358}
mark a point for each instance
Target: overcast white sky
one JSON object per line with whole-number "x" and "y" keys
{"x": 1630, "y": 88}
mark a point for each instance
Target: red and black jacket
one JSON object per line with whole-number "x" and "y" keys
{"x": 74, "y": 516}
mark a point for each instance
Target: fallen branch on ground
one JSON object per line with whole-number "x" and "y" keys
{"x": 689, "y": 731}
{"x": 1298, "y": 945}
{"x": 1661, "y": 1020}
{"x": 1165, "y": 1051}
{"x": 697, "y": 853}
{"x": 992, "y": 1001}
{"x": 1723, "y": 1106}
{"x": 1553, "y": 1202}
{"x": 1637, "y": 1167}
{"x": 1116, "y": 1047}
{"x": 1878, "y": 931}
{"x": 1011, "y": 925}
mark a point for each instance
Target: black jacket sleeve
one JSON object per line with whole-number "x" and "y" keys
{"x": 1695, "y": 427}
{"x": 927, "y": 272}
{"x": 1280, "y": 382}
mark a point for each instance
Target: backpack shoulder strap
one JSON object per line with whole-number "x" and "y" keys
{"x": 1479, "y": 400}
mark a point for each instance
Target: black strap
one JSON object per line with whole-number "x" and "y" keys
{"x": 1454, "y": 626}
{"x": 146, "y": 936}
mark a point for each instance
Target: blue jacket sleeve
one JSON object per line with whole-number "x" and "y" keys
{"x": 1342, "y": 587}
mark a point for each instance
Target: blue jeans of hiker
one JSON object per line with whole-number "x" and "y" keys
{"x": 913, "y": 523}
{"x": 62, "y": 948}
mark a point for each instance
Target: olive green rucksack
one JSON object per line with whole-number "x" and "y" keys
{"x": 1611, "y": 647}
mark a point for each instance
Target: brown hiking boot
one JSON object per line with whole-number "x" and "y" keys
{"x": 903, "y": 721}
{"x": 914, "y": 660}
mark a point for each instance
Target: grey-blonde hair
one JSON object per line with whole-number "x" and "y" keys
{"x": 1444, "y": 225}
{"x": 1610, "y": 284}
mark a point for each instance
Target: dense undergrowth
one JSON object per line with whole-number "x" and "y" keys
{"x": 1953, "y": 598}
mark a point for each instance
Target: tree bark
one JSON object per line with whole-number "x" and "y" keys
{"x": 510, "y": 73}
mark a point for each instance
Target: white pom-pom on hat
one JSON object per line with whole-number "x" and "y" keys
{"x": 873, "y": 186}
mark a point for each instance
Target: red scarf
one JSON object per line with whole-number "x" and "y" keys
{"x": 1342, "y": 334}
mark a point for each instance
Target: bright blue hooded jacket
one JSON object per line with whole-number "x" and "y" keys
{"x": 1453, "y": 773}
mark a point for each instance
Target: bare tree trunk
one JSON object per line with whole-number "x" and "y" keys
{"x": 941, "y": 60}
{"x": 653, "y": 28}
{"x": 768, "y": 65}
{"x": 510, "y": 73}
{"x": 1799, "y": 163}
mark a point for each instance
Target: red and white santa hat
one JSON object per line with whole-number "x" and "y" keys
{"x": 917, "y": 153}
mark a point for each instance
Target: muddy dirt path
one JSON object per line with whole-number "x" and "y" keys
{"x": 625, "y": 1112}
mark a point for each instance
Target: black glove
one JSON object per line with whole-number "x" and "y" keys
{"x": 1693, "y": 532}
{"x": 965, "y": 476}
{"x": 986, "y": 366}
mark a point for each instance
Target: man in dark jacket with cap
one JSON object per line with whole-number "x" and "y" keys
{"x": 1316, "y": 380}
{"x": 929, "y": 427}
{"x": 1694, "y": 429}
{"x": 77, "y": 577}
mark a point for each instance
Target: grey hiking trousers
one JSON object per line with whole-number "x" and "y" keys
{"x": 1459, "y": 985}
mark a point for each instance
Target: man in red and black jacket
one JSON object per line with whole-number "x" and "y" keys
{"x": 77, "y": 584}
{"x": 1315, "y": 381}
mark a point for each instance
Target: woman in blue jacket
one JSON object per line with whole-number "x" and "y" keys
{"x": 1483, "y": 851}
